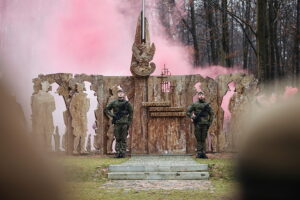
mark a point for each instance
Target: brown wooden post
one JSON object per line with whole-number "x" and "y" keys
{"x": 139, "y": 144}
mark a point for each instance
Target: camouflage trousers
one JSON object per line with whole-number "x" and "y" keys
{"x": 120, "y": 133}
{"x": 201, "y": 134}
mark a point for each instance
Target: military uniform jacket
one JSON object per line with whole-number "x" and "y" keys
{"x": 203, "y": 109}
{"x": 120, "y": 106}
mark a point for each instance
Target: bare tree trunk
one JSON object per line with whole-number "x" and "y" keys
{"x": 209, "y": 60}
{"x": 246, "y": 34}
{"x": 272, "y": 29}
{"x": 297, "y": 50}
{"x": 211, "y": 28}
{"x": 262, "y": 41}
{"x": 194, "y": 34}
{"x": 278, "y": 70}
{"x": 225, "y": 35}
{"x": 232, "y": 37}
{"x": 217, "y": 29}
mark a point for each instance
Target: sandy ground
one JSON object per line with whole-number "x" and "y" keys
{"x": 142, "y": 185}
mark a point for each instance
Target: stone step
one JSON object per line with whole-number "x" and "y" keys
{"x": 158, "y": 168}
{"x": 158, "y": 175}
{"x": 176, "y": 167}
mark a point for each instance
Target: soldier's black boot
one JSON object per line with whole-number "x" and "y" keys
{"x": 122, "y": 155}
{"x": 201, "y": 155}
{"x": 204, "y": 156}
{"x": 117, "y": 155}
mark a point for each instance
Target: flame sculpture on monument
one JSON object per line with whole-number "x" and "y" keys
{"x": 142, "y": 50}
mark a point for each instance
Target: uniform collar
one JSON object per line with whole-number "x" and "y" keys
{"x": 121, "y": 99}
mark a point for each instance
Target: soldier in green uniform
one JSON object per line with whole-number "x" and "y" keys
{"x": 201, "y": 115}
{"x": 121, "y": 118}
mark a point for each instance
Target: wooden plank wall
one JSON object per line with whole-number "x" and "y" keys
{"x": 156, "y": 135}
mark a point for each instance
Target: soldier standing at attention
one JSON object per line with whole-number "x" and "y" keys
{"x": 201, "y": 115}
{"x": 121, "y": 118}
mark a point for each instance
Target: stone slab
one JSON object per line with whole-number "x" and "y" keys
{"x": 161, "y": 167}
{"x": 158, "y": 168}
{"x": 158, "y": 175}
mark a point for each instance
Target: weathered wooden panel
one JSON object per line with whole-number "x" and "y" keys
{"x": 139, "y": 144}
{"x": 167, "y": 109}
{"x": 168, "y": 114}
{"x": 151, "y": 131}
{"x": 110, "y": 86}
{"x": 175, "y": 94}
{"x": 156, "y": 104}
{"x": 185, "y": 90}
{"x": 180, "y": 94}
{"x": 66, "y": 90}
{"x": 245, "y": 89}
{"x": 99, "y": 139}
{"x": 166, "y": 135}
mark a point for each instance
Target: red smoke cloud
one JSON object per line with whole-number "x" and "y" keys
{"x": 290, "y": 91}
{"x": 96, "y": 37}
{"x": 91, "y": 37}
{"x": 81, "y": 36}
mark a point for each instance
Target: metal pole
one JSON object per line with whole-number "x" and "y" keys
{"x": 143, "y": 20}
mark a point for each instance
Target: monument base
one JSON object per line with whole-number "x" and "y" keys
{"x": 164, "y": 167}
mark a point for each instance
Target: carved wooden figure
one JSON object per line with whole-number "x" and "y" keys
{"x": 43, "y": 106}
{"x": 79, "y": 107}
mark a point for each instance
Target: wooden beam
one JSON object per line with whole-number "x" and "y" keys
{"x": 168, "y": 114}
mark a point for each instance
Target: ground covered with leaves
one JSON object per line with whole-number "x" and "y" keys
{"x": 87, "y": 180}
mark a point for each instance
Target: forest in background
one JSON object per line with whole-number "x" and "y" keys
{"x": 260, "y": 36}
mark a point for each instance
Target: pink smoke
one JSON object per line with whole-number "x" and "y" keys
{"x": 290, "y": 91}
{"x": 91, "y": 37}
{"x": 214, "y": 71}
{"x": 178, "y": 59}
{"x": 94, "y": 37}
{"x": 77, "y": 36}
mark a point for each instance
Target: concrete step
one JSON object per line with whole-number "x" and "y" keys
{"x": 158, "y": 168}
{"x": 158, "y": 175}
